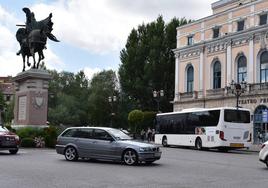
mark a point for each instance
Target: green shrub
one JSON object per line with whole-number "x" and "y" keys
{"x": 29, "y": 132}
{"x": 50, "y": 135}
{"x": 27, "y": 142}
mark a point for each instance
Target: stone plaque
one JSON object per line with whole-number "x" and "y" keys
{"x": 22, "y": 108}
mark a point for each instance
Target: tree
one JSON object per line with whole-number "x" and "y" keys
{"x": 2, "y": 107}
{"x": 135, "y": 118}
{"x": 148, "y": 63}
{"x": 103, "y": 85}
{"x": 149, "y": 119}
{"x": 68, "y": 95}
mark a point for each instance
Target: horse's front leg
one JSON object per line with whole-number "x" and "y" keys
{"x": 41, "y": 57}
{"x": 23, "y": 58}
{"x": 33, "y": 55}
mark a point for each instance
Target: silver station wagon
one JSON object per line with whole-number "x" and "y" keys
{"x": 105, "y": 144}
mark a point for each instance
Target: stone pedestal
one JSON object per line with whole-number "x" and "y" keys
{"x": 31, "y": 98}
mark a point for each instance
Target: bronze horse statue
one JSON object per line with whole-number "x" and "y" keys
{"x": 33, "y": 38}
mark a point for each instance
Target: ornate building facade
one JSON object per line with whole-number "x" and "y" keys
{"x": 230, "y": 45}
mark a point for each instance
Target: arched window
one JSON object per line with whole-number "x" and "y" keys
{"x": 264, "y": 67}
{"x": 217, "y": 75}
{"x": 241, "y": 69}
{"x": 190, "y": 79}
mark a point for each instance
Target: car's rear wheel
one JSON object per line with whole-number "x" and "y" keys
{"x": 130, "y": 157}
{"x": 13, "y": 151}
{"x": 70, "y": 154}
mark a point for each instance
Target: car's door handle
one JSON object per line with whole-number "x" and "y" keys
{"x": 94, "y": 142}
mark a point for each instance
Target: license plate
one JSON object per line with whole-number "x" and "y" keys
{"x": 236, "y": 145}
{"x": 157, "y": 154}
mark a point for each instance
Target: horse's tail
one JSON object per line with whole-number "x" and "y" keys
{"x": 52, "y": 37}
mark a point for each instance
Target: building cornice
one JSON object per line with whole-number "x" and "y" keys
{"x": 220, "y": 44}
{"x": 222, "y": 3}
{"x": 199, "y": 21}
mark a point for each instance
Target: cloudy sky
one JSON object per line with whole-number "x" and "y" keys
{"x": 92, "y": 32}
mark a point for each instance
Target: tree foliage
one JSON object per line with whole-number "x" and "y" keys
{"x": 68, "y": 94}
{"x": 103, "y": 85}
{"x": 135, "y": 117}
{"x": 147, "y": 62}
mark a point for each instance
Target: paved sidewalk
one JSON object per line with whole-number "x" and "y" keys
{"x": 254, "y": 148}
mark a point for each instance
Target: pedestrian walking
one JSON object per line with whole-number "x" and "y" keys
{"x": 153, "y": 134}
{"x": 142, "y": 134}
{"x": 260, "y": 137}
{"x": 149, "y": 134}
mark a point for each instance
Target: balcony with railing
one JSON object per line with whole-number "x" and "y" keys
{"x": 257, "y": 88}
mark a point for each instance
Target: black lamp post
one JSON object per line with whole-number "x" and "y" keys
{"x": 112, "y": 99}
{"x": 237, "y": 89}
{"x": 157, "y": 95}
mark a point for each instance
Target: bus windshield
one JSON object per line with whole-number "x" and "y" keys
{"x": 237, "y": 116}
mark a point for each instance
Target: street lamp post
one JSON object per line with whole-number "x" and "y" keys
{"x": 112, "y": 99}
{"x": 237, "y": 89}
{"x": 157, "y": 95}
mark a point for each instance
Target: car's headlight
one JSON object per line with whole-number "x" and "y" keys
{"x": 145, "y": 149}
{"x": 17, "y": 137}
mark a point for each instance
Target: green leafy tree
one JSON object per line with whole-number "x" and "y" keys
{"x": 9, "y": 113}
{"x": 148, "y": 63}
{"x": 68, "y": 94}
{"x": 2, "y": 107}
{"x": 103, "y": 85}
{"x": 149, "y": 119}
{"x": 135, "y": 118}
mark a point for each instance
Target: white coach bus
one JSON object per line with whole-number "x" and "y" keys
{"x": 223, "y": 128}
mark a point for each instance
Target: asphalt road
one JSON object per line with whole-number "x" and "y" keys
{"x": 178, "y": 168}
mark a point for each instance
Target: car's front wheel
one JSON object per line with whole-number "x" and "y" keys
{"x": 70, "y": 154}
{"x": 13, "y": 151}
{"x": 266, "y": 161}
{"x": 130, "y": 157}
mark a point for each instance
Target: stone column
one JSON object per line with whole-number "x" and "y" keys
{"x": 31, "y": 98}
{"x": 250, "y": 66}
{"x": 201, "y": 75}
{"x": 177, "y": 95}
{"x": 229, "y": 62}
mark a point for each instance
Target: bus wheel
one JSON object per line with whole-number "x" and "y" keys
{"x": 198, "y": 144}
{"x": 164, "y": 142}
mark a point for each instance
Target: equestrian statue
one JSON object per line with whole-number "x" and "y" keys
{"x": 33, "y": 37}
